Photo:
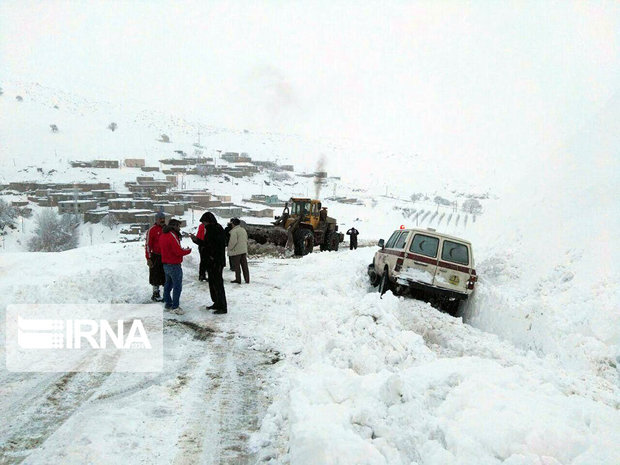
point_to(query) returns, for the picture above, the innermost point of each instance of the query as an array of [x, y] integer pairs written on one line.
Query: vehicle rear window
[[455, 252], [392, 239], [424, 245]]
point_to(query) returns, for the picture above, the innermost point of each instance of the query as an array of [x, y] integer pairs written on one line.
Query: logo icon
[[89, 337], [40, 334]]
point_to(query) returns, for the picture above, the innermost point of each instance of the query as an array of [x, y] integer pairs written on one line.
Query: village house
[[266, 164], [206, 169], [261, 213], [231, 157], [129, 215], [95, 216], [271, 200], [81, 164], [76, 206], [227, 212], [105, 164], [135, 162]]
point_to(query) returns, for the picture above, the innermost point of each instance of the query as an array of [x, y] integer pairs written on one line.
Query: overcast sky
[[484, 78]]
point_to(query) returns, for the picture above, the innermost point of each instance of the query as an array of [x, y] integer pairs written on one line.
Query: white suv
[[426, 263]]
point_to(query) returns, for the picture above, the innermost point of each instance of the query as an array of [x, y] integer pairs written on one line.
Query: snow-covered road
[[308, 367]]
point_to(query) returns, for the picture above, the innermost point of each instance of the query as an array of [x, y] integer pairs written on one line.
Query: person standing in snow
[[215, 245], [238, 251], [202, 268], [153, 256], [172, 256], [353, 238], [227, 229]]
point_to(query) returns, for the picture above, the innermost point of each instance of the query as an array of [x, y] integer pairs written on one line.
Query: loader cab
[[307, 208]]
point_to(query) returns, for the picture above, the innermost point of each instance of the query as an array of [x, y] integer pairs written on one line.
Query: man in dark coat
[[153, 256], [215, 250], [352, 233]]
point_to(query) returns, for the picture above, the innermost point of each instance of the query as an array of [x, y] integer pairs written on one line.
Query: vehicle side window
[[392, 239], [401, 241], [424, 245], [455, 252]]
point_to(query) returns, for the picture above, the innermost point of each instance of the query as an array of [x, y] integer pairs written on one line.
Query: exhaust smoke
[[319, 176]]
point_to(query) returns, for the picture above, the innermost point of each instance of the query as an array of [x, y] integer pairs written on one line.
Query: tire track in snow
[[33, 425], [225, 402]]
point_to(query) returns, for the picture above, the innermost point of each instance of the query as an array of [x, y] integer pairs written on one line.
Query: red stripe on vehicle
[[452, 266], [422, 258], [393, 252]]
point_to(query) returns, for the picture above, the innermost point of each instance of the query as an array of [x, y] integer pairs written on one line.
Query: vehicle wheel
[[304, 242], [374, 277], [333, 241], [451, 307], [384, 283]]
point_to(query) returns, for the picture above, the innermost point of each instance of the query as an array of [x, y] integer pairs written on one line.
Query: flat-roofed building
[[76, 206], [135, 162]]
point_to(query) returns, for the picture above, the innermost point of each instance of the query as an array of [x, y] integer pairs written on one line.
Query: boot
[[156, 297]]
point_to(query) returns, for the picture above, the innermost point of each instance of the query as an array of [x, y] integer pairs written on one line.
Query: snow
[[356, 378], [414, 274], [311, 365]]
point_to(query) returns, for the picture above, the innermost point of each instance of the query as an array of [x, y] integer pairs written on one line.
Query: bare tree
[[109, 220], [472, 206], [54, 128], [54, 232], [8, 216], [112, 126]]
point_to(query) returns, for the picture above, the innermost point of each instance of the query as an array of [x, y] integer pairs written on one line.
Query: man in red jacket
[[153, 256], [172, 256], [202, 268]]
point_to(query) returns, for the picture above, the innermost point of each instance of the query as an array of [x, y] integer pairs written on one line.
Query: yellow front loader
[[305, 223]]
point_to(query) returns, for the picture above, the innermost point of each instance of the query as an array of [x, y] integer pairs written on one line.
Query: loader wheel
[[304, 242], [333, 241], [384, 283]]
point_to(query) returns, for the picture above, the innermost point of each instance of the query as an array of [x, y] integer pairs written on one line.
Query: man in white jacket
[[238, 251]]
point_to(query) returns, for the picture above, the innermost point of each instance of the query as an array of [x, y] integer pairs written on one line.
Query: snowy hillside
[[311, 366]]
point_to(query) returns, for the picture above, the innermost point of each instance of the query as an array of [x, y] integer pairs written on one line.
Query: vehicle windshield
[[299, 206]]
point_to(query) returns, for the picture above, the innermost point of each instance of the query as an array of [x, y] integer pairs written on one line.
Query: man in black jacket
[[215, 251], [353, 238]]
